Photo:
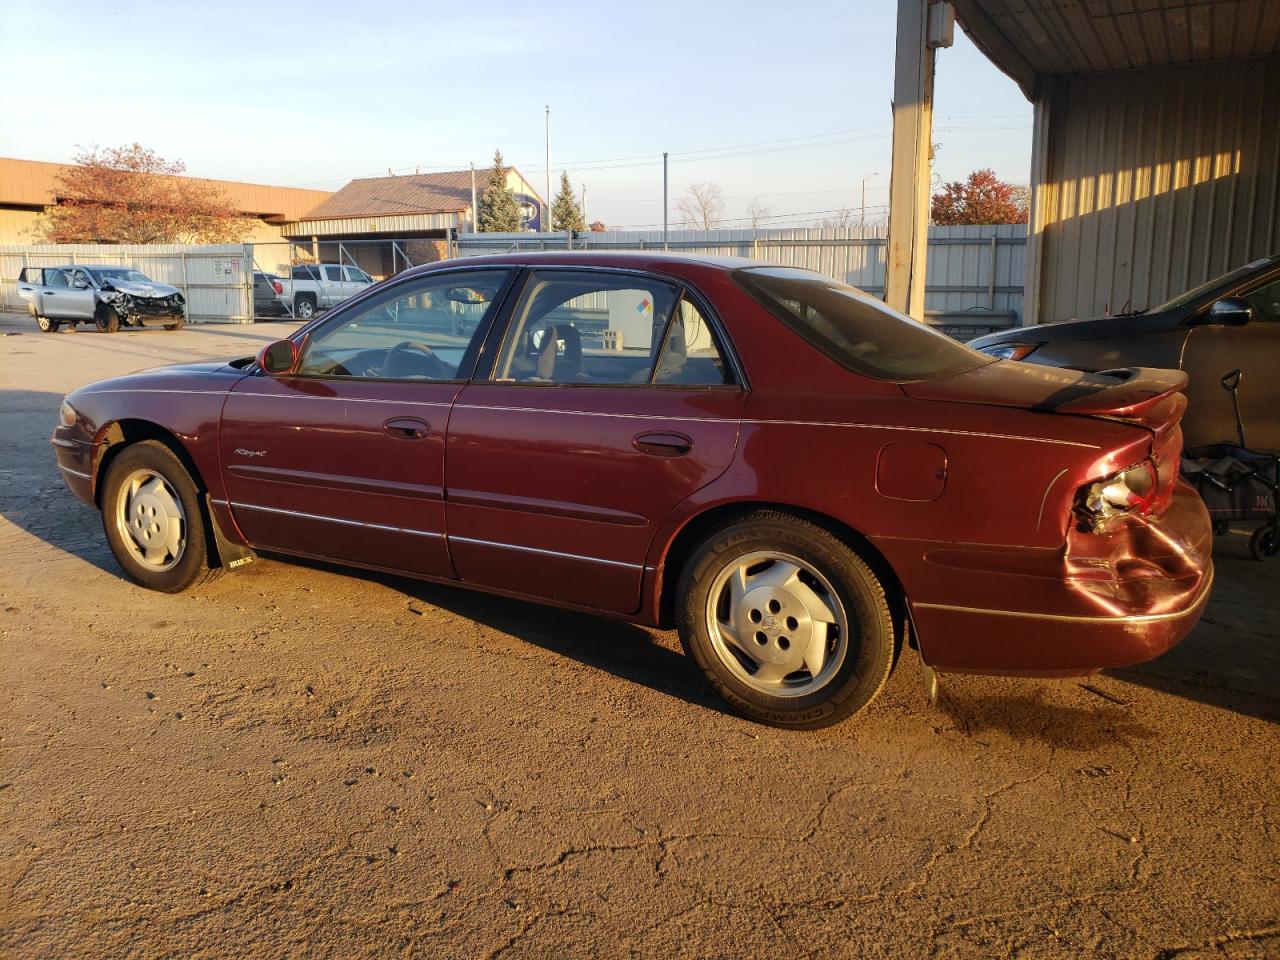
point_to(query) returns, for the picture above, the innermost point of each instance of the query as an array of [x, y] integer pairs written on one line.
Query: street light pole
[[475, 210], [664, 200], [862, 216], [547, 202]]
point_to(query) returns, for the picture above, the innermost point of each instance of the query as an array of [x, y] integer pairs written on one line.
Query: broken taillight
[[1135, 489], [275, 285]]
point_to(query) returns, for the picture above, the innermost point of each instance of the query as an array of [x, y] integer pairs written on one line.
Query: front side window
[[357, 275], [1265, 301], [425, 329], [592, 327], [56, 278], [80, 279], [854, 329]]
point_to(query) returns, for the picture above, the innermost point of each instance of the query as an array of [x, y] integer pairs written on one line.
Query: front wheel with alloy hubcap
[[152, 517], [788, 624]]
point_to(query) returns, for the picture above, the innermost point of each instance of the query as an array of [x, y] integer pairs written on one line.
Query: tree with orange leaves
[[131, 194], [983, 198]]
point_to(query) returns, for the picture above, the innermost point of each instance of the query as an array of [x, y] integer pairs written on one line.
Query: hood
[[1130, 393], [1124, 324], [150, 289]]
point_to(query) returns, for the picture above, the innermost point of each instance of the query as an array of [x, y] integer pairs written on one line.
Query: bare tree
[[841, 218], [758, 212], [702, 206]]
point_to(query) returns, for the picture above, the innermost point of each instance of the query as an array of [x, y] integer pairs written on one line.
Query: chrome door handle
[[407, 428], [663, 444]]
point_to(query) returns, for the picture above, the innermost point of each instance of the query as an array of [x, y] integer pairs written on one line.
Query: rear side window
[[305, 273], [854, 329], [31, 275], [333, 273]]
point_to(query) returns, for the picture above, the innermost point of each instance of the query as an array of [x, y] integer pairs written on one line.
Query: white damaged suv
[[107, 296]]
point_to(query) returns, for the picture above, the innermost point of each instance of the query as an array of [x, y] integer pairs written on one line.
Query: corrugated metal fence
[[974, 281], [216, 280]]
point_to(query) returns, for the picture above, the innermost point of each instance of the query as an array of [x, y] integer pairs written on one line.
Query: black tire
[[176, 323], [46, 325], [192, 563], [870, 650], [304, 306], [107, 319], [1264, 543]]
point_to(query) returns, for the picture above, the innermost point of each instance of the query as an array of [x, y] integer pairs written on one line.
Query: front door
[[65, 301], [344, 459], [1213, 350], [608, 403]]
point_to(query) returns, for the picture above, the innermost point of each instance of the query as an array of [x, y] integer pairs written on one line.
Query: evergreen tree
[[565, 212], [499, 212]]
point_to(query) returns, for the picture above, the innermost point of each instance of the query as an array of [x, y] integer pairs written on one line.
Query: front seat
[[553, 366]]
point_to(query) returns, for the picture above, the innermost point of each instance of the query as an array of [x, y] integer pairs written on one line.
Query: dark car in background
[[1230, 323], [267, 288]]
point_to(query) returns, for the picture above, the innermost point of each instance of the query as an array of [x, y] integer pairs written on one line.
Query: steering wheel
[[411, 358]]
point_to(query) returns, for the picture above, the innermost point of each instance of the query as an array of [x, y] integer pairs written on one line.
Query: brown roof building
[[415, 205], [28, 186]]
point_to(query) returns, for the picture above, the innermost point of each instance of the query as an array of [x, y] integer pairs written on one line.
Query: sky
[[784, 104]]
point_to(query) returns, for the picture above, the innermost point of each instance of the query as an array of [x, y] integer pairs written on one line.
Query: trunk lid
[[1143, 396]]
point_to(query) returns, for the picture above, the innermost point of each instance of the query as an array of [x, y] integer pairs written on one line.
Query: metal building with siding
[[1156, 144]]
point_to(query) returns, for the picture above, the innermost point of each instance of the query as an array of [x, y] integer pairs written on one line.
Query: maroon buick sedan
[[797, 477]]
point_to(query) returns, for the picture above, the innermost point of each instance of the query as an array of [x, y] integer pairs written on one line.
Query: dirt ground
[[296, 761]]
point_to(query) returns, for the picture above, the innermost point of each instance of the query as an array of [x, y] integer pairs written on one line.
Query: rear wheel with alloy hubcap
[[46, 325], [152, 517], [788, 623]]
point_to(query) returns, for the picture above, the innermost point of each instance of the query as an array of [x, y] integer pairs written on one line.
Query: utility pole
[[475, 210], [664, 200], [547, 226], [584, 205], [862, 216]]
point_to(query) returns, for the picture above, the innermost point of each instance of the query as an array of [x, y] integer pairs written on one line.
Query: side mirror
[[279, 358], [1231, 312]]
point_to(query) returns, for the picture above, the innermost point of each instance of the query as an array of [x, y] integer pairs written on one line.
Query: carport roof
[[1030, 38], [448, 192]]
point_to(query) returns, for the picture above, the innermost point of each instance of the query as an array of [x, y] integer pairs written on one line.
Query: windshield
[[1226, 280], [856, 330], [119, 273]]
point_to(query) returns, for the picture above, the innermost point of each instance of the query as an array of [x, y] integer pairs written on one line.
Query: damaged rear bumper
[[1117, 597]]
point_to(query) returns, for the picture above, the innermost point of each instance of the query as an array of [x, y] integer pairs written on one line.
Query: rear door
[[30, 283], [333, 287], [344, 459], [610, 399]]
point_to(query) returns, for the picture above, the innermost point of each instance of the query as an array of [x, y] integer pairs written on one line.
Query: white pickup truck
[[318, 286]]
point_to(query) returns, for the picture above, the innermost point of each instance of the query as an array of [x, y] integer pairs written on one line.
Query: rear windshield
[[854, 329]]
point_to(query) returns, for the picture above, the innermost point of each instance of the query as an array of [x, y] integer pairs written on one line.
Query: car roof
[[630, 259]]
